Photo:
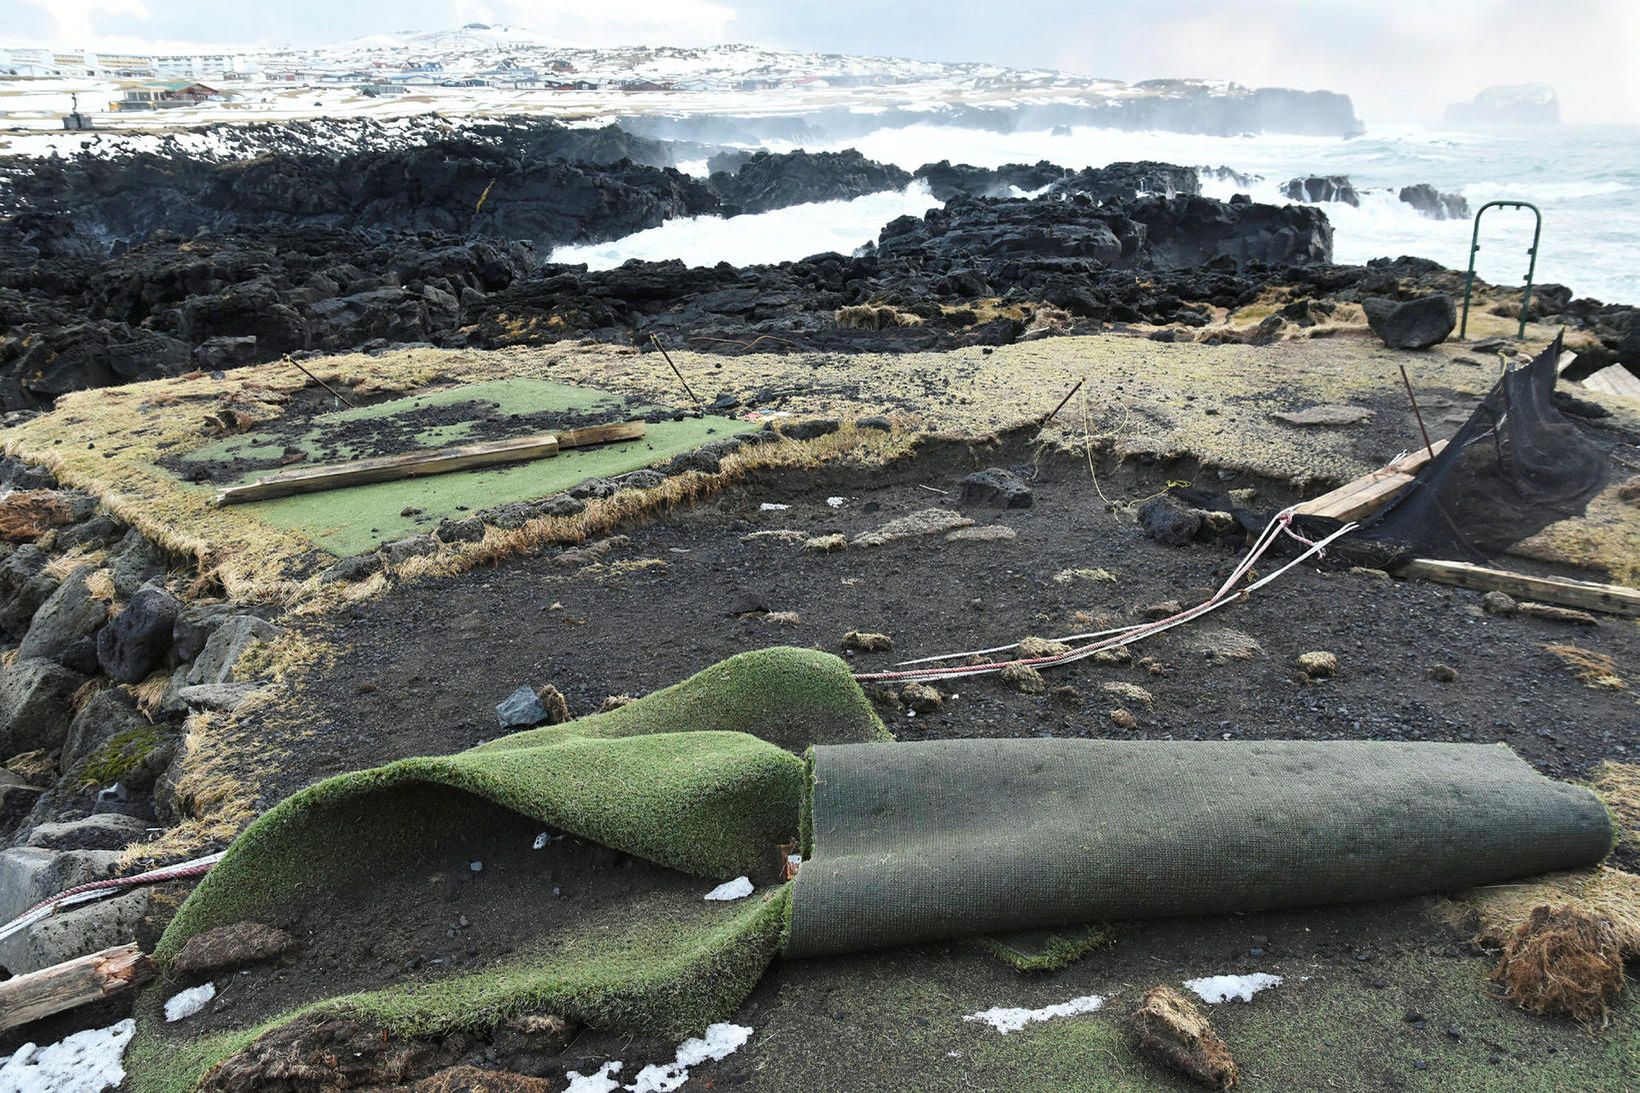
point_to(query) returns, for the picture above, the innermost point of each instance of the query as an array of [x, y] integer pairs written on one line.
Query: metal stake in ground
[[1054, 413], [1415, 411], [700, 408], [340, 397]]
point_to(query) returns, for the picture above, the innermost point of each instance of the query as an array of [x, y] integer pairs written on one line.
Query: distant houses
[[165, 95]]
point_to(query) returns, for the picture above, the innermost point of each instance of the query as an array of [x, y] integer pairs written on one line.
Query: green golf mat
[[910, 841], [938, 839]]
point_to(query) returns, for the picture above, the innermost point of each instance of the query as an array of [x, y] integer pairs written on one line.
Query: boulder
[[229, 642], [36, 704], [108, 831], [135, 562], [215, 696], [139, 638], [17, 800], [194, 626], [108, 716], [1411, 324], [29, 874], [1318, 188], [1169, 521], [1432, 203], [997, 488], [65, 627], [76, 932]]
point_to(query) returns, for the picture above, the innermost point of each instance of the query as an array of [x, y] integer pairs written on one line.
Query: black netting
[[1515, 467]]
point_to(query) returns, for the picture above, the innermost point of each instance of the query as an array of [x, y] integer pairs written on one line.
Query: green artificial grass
[[667, 969], [359, 518], [696, 777]]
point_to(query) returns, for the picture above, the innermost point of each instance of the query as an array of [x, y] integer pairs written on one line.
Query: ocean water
[[1584, 178]]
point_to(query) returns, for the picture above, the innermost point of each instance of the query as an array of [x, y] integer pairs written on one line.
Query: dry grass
[[874, 317], [1619, 787], [1596, 670], [215, 804], [1173, 1031], [1563, 962], [150, 693], [1563, 937]]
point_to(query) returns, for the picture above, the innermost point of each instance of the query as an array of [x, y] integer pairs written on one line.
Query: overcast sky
[[1398, 59]]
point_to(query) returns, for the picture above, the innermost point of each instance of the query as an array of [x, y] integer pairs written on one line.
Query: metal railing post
[[1531, 266]]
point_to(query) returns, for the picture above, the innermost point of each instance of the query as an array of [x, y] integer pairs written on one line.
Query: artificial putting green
[[359, 518]]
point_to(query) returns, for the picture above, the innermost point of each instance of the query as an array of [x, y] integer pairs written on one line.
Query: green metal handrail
[[1531, 267]]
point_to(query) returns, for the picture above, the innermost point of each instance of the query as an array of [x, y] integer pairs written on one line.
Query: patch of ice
[[739, 888], [601, 1082], [189, 1002], [770, 506], [540, 841], [1006, 1019], [836, 502], [718, 1042], [82, 1063], [1222, 988]]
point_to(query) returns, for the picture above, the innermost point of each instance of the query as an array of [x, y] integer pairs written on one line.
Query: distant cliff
[[1508, 103]]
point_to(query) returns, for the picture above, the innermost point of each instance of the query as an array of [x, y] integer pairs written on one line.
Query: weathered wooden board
[[1613, 599], [461, 457]]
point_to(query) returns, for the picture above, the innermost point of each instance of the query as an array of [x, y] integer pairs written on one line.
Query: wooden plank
[[1613, 599], [428, 461], [1567, 359], [73, 983], [601, 434], [1614, 379], [1369, 493]]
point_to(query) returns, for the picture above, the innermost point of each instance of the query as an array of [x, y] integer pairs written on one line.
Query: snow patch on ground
[[82, 1063], [718, 1042], [600, 1082], [739, 888], [189, 1002], [1006, 1019], [1222, 988]]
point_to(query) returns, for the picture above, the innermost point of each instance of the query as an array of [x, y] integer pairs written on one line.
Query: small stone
[[1169, 521], [1070, 696], [997, 488], [1498, 603], [866, 642], [1318, 665], [1166, 609], [1443, 673], [1123, 719]]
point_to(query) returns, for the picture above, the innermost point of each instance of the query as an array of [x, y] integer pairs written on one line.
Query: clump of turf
[[1023, 678], [1046, 950], [1032, 647], [1173, 1031], [1563, 962]]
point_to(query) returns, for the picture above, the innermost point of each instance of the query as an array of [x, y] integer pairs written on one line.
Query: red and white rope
[[1280, 525], [97, 889]]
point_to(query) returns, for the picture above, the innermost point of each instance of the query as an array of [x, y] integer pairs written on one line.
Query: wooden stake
[[70, 984], [1062, 402], [1415, 411], [700, 407], [341, 397]]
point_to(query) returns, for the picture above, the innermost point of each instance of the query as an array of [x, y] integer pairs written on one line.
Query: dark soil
[[428, 659], [423, 667], [435, 912]]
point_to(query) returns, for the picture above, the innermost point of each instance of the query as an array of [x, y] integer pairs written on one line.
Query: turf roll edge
[[941, 839]]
